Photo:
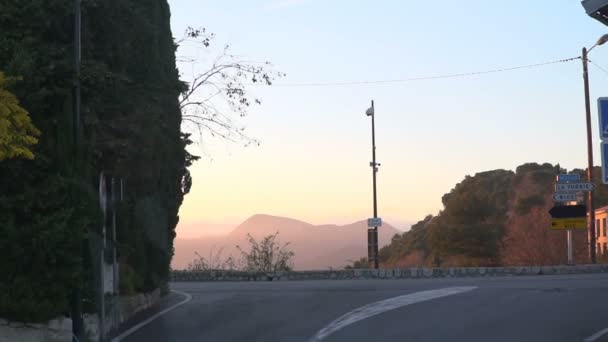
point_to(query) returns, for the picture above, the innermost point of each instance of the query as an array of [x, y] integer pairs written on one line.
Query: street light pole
[[372, 233], [77, 62], [590, 207], [76, 295]]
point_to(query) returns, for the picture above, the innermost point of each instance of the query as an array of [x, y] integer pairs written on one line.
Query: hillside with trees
[[493, 218]]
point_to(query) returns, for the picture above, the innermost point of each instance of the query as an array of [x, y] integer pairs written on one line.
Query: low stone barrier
[[393, 273], [60, 329]]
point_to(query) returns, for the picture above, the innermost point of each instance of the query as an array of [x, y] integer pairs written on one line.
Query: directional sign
[[604, 161], [585, 186], [569, 223], [565, 197], [568, 211], [374, 222], [602, 109], [568, 178]]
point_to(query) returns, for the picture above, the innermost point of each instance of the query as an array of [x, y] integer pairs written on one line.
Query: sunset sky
[[313, 162]]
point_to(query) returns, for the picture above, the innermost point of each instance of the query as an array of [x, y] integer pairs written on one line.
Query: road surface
[[531, 308]]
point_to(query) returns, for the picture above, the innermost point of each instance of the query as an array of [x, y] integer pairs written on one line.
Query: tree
[[42, 233], [131, 122], [470, 228], [268, 255], [17, 132], [215, 96], [528, 239], [213, 261], [404, 246]]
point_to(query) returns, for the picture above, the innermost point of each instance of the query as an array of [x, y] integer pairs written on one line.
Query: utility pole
[[102, 264], [372, 233], [590, 206], [77, 62], [114, 251], [76, 297]]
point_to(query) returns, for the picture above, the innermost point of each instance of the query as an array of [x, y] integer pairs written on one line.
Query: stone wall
[[118, 311], [400, 273], [57, 330]]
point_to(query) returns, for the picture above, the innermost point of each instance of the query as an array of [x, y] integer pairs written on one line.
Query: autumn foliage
[[17, 133], [494, 218]]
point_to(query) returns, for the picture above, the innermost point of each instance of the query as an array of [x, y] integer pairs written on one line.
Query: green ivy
[[130, 129]]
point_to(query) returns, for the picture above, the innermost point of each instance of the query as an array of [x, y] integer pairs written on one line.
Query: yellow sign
[[569, 223]]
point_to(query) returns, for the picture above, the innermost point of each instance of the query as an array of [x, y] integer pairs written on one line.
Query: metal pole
[[76, 298], [590, 207], [102, 306], [102, 263], [570, 257], [114, 268], [114, 258], [77, 62], [374, 171]]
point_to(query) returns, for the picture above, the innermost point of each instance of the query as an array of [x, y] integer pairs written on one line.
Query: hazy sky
[[313, 163]]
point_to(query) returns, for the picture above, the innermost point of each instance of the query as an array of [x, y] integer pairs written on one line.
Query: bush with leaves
[[267, 255], [214, 261], [43, 229], [17, 132]]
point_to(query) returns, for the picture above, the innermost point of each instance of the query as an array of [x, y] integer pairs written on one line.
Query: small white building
[[601, 216]]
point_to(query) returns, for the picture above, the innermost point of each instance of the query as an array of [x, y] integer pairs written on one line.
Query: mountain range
[[315, 246]]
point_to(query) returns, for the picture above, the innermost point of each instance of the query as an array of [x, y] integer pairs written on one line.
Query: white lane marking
[[596, 335], [140, 325], [377, 308]]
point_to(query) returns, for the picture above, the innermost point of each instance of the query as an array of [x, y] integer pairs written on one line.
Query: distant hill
[[315, 247]]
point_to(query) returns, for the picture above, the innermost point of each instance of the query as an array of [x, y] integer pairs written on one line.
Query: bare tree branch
[[219, 93]]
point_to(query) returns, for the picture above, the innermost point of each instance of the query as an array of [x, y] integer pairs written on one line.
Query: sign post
[[565, 197], [604, 150], [374, 222], [568, 188], [581, 186], [568, 178], [602, 111], [570, 257]]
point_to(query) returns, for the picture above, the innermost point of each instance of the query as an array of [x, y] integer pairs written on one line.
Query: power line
[[424, 78], [598, 66]]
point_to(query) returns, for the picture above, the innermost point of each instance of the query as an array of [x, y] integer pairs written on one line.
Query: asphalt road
[[535, 308]]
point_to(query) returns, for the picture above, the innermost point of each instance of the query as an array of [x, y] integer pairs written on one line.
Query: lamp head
[[603, 39]]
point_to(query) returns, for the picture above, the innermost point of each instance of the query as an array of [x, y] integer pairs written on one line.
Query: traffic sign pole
[[570, 257], [569, 216]]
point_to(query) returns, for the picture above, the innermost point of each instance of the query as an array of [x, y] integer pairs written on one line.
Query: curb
[[396, 273]]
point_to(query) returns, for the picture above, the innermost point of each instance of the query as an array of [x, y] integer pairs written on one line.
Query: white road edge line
[[155, 316], [377, 308], [596, 335]]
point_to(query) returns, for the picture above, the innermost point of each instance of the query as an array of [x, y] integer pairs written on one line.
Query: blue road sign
[[602, 109], [604, 160], [571, 178]]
